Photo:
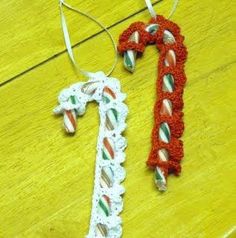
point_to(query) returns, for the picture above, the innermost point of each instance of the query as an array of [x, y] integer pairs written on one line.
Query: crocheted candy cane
[[167, 148], [107, 201]]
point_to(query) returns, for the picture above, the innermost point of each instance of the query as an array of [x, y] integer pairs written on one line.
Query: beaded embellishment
[[167, 148], [107, 201]]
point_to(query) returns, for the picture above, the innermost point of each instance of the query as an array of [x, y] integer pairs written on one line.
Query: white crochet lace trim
[[101, 224]]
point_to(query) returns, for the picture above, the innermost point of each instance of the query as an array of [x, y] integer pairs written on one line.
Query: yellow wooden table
[[46, 177]]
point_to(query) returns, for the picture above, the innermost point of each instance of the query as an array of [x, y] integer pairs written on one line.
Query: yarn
[[167, 147]]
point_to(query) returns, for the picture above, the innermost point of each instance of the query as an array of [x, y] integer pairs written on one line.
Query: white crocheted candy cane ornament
[[107, 202]]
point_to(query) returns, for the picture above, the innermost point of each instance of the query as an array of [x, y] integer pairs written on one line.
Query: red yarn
[[175, 121]]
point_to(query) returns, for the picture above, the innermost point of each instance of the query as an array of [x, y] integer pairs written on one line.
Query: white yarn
[[113, 221]]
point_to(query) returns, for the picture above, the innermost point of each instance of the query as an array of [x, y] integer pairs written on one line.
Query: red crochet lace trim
[[175, 121]]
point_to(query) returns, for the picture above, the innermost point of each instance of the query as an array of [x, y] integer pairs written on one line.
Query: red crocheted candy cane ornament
[[167, 148]]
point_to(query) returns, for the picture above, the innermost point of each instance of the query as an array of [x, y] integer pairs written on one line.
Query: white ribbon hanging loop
[[153, 13], [150, 8], [67, 40]]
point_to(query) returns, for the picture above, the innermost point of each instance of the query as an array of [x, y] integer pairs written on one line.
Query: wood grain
[[31, 34], [47, 177]]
